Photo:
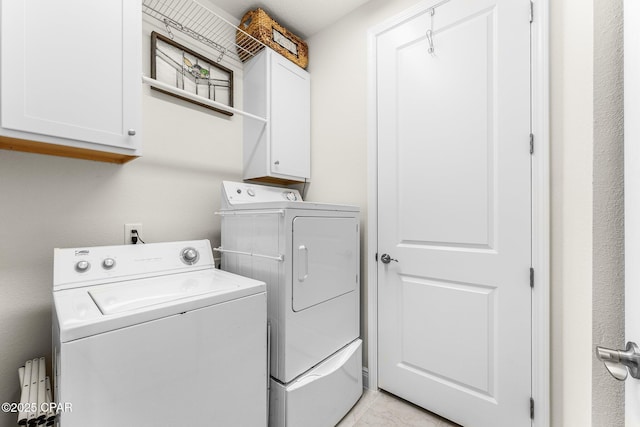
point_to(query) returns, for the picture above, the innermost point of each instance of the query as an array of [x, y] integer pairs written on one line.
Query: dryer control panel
[[242, 192]]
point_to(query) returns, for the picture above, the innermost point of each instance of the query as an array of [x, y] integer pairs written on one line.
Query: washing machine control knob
[[190, 256], [82, 266], [108, 263]]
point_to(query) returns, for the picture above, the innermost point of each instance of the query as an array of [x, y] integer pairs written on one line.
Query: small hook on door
[[431, 49], [430, 41]]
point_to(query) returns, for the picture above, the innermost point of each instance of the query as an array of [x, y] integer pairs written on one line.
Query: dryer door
[[325, 259]]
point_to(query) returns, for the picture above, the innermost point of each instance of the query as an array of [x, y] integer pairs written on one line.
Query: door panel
[[457, 80], [324, 265], [424, 303], [454, 210]]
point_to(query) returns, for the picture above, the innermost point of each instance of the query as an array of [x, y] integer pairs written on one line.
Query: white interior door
[[454, 180]]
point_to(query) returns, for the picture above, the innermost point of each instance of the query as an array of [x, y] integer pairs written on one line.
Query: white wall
[[47, 202], [608, 208]]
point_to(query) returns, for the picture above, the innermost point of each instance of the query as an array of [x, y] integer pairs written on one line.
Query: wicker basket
[[258, 24]]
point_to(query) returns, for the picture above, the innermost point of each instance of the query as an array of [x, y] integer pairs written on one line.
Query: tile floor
[[378, 408]]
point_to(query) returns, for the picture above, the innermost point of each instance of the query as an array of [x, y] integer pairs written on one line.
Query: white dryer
[[154, 335], [308, 255]]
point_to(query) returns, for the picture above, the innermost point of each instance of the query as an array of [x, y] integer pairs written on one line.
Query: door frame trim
[[540, 207]]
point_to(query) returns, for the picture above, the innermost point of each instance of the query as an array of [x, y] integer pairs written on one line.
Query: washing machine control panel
[[242, 192], [103, 264]]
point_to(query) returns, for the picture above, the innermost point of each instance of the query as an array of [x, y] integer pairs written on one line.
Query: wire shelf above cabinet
[[200, 23], [197, 98]]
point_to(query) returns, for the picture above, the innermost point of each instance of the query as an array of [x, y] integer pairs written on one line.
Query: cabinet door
[[325, 259], [290, 119], [71, 69]]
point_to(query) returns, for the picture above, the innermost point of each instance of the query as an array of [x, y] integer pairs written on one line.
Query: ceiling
[[302, 17]]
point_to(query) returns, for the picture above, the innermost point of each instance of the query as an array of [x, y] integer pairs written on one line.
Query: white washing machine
[[308, 254], [154, 335]]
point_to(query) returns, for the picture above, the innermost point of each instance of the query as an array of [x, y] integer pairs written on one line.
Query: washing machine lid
[[83, 312], [248, 196], [141, 294]]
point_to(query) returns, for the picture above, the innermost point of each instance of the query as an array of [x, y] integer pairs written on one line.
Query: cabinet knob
[[132, 132], [277, 162]]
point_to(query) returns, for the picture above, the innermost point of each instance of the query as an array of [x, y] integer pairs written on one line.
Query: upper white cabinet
[[70, 78], [280, 150]]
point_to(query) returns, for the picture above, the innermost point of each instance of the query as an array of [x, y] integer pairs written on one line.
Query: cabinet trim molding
[[15, 144]]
